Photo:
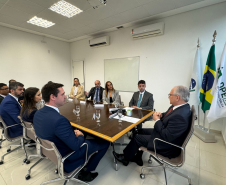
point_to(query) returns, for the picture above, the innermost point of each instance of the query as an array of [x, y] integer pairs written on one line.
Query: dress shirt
[[75, 91], [2, 95], [97, 95], [53, 107], [141, 98], [15, 98], [175, 107]]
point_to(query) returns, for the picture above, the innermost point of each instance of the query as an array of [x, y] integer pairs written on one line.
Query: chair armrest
[[166, 143], [64, 158], [12, 125]]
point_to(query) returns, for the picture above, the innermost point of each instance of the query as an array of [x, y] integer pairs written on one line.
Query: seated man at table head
[[77, 90], [10, 109], [171, 126], [49, 124], [96, 92], [4, 90], [32, 96], [142, 99], [110, 95]]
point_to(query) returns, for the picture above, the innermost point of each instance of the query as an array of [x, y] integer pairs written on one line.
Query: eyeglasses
[[171, 95], [4, 89]]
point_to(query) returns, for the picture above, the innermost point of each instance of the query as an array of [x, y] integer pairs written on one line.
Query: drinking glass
[[78, 110], [120, 115], [116, 105], [94, 102], [98, 116]]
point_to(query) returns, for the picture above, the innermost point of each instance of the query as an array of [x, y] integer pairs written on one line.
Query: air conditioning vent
[[148, 31], [102, 41]]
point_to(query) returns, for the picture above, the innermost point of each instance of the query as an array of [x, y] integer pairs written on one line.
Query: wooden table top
[[109, 129]]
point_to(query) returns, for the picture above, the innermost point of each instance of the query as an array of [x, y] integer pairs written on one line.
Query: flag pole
[[199, 103]]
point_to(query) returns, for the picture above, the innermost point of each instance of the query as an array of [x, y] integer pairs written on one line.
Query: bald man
[[96, 92]]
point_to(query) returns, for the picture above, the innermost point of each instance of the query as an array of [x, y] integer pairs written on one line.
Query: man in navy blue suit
[[52, 126], [171, 126], [10, 109]]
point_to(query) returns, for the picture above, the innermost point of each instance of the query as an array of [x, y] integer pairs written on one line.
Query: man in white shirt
[[4, 90], [10, 109]]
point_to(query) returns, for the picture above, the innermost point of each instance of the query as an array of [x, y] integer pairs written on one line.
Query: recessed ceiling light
[[66, 9], [40, 22]]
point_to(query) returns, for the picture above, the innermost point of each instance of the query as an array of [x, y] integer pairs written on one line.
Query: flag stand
[[200, 131]]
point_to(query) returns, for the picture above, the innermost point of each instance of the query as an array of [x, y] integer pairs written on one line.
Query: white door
[[78, 72]]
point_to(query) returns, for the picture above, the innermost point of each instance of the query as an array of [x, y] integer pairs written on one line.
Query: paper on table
[[99, 105], [112, 109], [128, 108], [128, 119], [69, 99], [83, 102]]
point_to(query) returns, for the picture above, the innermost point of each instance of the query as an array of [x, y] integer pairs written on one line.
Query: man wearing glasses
[[171, 126], [4, 90]]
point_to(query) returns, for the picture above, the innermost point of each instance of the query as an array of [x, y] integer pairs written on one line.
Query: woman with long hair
[[77, 90], [110, 95], [32, 95]]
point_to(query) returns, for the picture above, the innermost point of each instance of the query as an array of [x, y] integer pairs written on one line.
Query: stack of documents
[[128, 119]]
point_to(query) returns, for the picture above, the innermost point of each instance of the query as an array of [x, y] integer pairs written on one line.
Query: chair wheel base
[[142, 176], [149, 161], [27, 177], [56, 171], [1, 162], [27, 162], [8, 150]]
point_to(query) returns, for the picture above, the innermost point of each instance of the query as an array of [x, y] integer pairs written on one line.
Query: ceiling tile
[[17, 14], [3, 1], [44, 3], [59, 28], [32, 27], [102, 12], [73, 34], [181, 3], [85, 18], [82, 4], [52, 16], [115, 20], [72, 23], [159, 6], [25, 6], [10, 20], [99, 25], [1, 5]]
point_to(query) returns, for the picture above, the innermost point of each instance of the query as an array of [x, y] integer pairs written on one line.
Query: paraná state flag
[[218, 106], [208, 80]]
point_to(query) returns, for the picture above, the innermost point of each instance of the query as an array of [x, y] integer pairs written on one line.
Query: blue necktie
[[97, 95], [139, 101]]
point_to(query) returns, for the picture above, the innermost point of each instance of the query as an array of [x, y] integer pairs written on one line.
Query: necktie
[[139, 101], [97, 95], [169, 111]]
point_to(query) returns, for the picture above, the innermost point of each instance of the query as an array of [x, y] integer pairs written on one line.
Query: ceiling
[[91, 22]]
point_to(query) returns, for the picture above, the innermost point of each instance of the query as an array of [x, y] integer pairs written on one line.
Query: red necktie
[[169, 111]]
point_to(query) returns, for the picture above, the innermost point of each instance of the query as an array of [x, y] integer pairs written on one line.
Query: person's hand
[[135, 107], [86, 93], [156, 116], [78, 133], [159, 114]]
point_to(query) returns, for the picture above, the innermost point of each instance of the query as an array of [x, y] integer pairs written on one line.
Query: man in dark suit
[[52, 126], [171, 126], [4, 90], [96, 92], [10, 109], [142, 99]]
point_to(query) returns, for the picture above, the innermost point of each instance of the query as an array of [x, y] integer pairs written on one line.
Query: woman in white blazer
[[77, 90], [110, 95]]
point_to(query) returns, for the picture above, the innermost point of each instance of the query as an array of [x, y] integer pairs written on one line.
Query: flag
[[196, 78], [218, 106], [208, 79]]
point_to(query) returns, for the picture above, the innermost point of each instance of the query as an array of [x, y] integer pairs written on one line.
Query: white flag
[[196, 80], [218, 106]]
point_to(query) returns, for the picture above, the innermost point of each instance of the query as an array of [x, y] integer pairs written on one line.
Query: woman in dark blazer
[[32, 95], [110, 95]]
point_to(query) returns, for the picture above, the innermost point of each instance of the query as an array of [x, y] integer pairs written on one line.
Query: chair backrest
[[6, 133]]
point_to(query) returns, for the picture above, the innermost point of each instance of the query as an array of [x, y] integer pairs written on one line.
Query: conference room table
[[107, 129]]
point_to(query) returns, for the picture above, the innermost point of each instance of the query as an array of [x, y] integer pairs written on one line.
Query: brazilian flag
[[208, 79]]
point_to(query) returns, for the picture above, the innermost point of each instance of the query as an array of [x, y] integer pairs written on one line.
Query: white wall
[[25, 58], [165, 61]]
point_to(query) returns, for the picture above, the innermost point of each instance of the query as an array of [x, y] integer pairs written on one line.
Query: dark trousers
[[140, 139]]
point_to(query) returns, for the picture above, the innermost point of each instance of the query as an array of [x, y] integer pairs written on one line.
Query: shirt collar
[[14, 97], [53, 107], [142, 92], [175, 107], [2, 95]]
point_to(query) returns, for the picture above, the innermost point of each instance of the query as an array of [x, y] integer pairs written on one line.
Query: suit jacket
[[147, 101], [172, 128], [29, 117], [9, 111], [92, 93], [1, 98], [115, 97], [52, 126], [80, 93]]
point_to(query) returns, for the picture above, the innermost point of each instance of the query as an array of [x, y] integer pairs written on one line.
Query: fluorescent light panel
[[66, 9], [40, 22]]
